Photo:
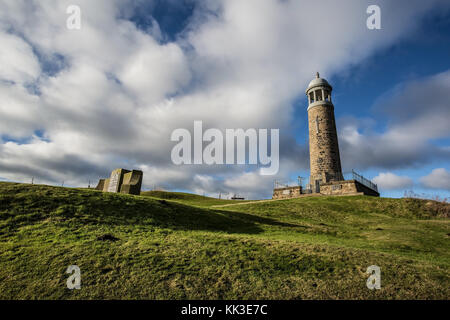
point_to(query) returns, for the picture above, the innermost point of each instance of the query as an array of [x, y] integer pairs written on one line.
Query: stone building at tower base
[[346, 187], [334, 188]]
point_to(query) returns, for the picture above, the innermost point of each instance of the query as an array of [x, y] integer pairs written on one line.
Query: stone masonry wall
[[346, 187], [339, 188], [325, 161], [288, 192]]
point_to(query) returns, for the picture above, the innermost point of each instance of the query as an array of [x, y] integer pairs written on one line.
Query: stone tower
[[324, 156]]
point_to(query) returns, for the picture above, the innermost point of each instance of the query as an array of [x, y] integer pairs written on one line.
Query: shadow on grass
[[176, 216], [260, 220], [26, 204]]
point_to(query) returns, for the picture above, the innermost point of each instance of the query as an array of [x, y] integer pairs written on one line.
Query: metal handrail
[[364, 181]]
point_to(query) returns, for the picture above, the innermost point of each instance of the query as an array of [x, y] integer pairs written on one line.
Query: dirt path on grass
[[241, 203], [269, 200]]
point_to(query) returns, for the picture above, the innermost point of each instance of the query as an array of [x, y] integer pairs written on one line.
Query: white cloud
[[391, 181], [437, 179], [17, 60], [19, 111], [154, 71], [250, 185]]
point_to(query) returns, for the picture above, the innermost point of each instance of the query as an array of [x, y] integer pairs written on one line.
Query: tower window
[[311, 97], [327, 95], [319, 95]]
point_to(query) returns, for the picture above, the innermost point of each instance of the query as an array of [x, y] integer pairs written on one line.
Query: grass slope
[[177, 246]]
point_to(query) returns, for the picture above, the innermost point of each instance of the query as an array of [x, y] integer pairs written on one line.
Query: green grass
[[182, 246]]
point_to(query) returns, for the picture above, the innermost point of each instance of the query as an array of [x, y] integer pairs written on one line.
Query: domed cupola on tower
[[318, 91]]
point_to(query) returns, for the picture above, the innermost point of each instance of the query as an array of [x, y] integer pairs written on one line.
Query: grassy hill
[[164, 245]]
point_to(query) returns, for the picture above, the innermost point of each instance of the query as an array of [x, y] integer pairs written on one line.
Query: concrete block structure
[[123, 181], [132, 182], [326, 176]]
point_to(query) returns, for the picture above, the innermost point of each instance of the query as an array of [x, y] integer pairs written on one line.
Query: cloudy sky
[[75, 104]]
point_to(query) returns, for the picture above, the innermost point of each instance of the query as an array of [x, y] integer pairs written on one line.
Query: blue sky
[[77, 104]]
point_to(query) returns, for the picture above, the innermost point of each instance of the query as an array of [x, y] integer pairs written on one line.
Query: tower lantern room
[[319, 91]]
